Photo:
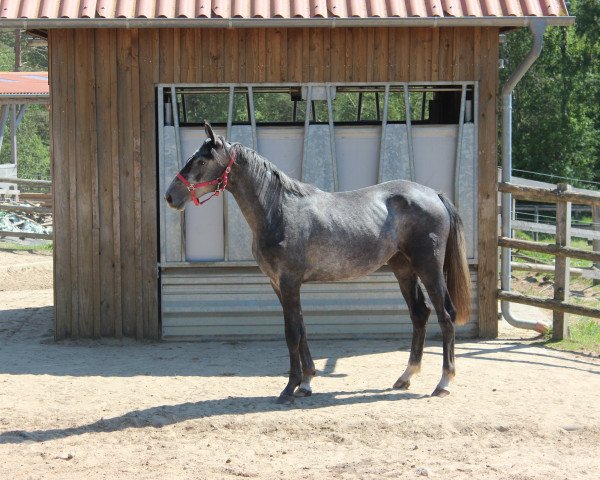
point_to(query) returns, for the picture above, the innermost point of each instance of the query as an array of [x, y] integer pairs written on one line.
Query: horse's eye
[[202, 163]]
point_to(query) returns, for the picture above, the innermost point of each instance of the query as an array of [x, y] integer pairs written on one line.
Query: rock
[[422, 472], [64, 456]]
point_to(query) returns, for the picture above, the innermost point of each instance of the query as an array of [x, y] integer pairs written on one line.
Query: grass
[[584, 337], [13, 247], [548, 259]]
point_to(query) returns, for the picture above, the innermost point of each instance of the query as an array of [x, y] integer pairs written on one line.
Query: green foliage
[[278, 106], [33, 58], [556, 105], [33, 145]]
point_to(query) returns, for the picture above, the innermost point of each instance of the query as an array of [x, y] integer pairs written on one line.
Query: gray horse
[[302, 234]]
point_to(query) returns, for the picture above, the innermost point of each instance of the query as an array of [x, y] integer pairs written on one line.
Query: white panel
[[283, 147], [435, 149], [357, 150], [204, 232]]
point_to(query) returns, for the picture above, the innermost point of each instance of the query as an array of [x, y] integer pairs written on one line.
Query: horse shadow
[[165, 415]]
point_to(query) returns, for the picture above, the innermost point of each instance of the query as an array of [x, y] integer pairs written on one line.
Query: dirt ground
[[120, 409]]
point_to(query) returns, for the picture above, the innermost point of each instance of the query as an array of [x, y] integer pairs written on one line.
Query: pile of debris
[[19, 217]]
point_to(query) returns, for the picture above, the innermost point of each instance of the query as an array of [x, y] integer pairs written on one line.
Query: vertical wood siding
[[104, 141]]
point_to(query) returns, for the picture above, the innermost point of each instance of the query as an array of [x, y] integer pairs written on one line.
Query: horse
[[303, 234]]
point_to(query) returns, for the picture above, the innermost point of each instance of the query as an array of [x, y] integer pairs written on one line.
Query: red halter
[[221, 183]]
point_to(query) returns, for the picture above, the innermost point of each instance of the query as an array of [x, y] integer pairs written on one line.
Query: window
[[286, 105]]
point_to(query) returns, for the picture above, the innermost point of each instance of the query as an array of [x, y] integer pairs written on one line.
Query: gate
[[210, 284]]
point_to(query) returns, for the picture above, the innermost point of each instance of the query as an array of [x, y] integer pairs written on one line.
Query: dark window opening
[[350, 105]]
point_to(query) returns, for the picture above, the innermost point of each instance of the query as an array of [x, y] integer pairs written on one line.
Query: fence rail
[[26, 182], [563, 197], [42, 210], [551, 229], [539, 194], [591, 273]]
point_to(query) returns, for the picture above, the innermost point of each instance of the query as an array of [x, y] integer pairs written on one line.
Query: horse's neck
[[256, 189]]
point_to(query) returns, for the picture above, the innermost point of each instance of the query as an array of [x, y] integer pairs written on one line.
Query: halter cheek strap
[[220, 182]]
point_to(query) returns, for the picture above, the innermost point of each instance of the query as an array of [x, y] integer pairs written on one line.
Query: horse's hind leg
[[435, 285], [419, 314]]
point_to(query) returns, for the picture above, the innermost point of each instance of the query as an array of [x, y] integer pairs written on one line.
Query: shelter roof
[[235, 13], [26, 84]]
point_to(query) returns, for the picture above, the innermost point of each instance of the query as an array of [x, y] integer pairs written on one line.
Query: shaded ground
[[115, 409]]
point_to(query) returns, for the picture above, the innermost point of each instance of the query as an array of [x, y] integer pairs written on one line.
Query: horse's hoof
[[302, 392], [402, 384], [285, 399], [440, 392]]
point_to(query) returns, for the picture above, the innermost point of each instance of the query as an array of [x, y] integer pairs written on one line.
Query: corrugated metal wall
[[238, 302]]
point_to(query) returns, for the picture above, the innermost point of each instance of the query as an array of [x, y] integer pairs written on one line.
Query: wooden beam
[[539, 194], [8, 207], [58, 71], [104, 59], [45, 236], [552, 249], [538, 267], [596, 243], [487, 251], [562, 264], [21, 100], [548, 303], [13, 133], [29, 183]]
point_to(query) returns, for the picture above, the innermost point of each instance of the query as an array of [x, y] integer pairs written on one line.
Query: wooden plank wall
[[104, 141]]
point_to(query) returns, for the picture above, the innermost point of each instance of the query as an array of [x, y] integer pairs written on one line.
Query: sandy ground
[[111, 409]]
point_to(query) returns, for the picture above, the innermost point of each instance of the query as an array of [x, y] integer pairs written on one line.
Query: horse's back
[[404, 198], [349, 234]]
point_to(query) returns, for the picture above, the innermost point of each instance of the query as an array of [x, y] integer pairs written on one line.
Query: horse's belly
[[339, 264]]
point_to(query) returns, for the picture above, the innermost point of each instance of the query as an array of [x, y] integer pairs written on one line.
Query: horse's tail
[[456, 267]]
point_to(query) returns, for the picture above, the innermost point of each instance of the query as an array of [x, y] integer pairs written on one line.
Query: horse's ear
[[209, 131]]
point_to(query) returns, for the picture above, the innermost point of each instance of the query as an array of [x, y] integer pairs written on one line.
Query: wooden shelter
[[115, 66]]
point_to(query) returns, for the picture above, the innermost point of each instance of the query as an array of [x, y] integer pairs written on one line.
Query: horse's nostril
[[169, 199]]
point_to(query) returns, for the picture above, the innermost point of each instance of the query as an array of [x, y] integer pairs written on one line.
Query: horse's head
[[203, 173]]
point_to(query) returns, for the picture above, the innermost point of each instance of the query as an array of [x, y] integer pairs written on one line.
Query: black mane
[[261, 168]]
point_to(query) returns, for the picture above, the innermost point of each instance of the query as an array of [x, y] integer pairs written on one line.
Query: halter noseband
[[220, 182]]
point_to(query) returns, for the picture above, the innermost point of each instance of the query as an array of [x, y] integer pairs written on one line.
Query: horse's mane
[[266, 172]]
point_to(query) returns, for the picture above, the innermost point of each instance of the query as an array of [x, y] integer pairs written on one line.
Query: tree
[[556, 105]]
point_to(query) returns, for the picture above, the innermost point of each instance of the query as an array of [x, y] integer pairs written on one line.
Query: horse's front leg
[[295, 336]]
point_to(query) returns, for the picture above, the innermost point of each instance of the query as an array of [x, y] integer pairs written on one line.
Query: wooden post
[[562, 264], [13, 133], [536, 219], [596, 243]]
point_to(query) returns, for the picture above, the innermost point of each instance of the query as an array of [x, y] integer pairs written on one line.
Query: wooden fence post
[[562, 263], [596, 243]]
